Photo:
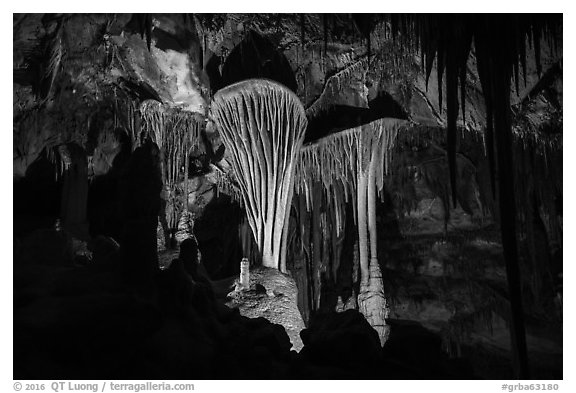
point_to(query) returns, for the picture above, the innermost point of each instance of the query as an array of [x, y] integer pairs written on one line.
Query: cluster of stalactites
[[538, 184], [438, 37], [229, 186], [126, 116], [175, 132], [39, 130], [448, 39], [543, 144], [336, 160]]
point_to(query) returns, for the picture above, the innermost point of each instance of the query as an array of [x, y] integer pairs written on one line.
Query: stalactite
[[186, 189], [227, 185], [31, 135], [484, 70], [262, 125], [536, 32], [317, 238], [335, 240], [145, 28], [368, 48], [325, 30], [452, 114], [57, 54], [440, 58], [302, 31], [463, 55], [500, 89]]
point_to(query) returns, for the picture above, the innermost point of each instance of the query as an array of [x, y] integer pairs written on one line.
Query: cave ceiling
[[74, 66]]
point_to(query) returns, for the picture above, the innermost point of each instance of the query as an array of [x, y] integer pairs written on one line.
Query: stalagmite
[[245, 273], [262, 125]]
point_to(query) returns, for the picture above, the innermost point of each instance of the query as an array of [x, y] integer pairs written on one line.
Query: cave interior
[[287, 196]]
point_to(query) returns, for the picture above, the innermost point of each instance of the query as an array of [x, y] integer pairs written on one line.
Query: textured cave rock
[[171, 67], [100, 330], [272, 295], [336, 339], [256, 58]]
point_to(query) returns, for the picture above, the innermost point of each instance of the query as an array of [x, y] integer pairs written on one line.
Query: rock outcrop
[[272, 295]]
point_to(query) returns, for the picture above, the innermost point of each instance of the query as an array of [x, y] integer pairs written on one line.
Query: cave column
[[372, 206], [362, 228], [371, 299]]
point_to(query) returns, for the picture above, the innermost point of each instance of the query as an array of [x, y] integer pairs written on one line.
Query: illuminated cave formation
[[395, 182], [262, 124]]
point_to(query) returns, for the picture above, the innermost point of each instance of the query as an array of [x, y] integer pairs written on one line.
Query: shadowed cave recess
[[287, 196]]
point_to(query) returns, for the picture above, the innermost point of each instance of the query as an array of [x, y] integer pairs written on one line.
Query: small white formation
[[244, 274]]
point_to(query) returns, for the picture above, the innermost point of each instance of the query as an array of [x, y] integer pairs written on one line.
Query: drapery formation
[[262, 125], [174, 131], [350, 166]]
